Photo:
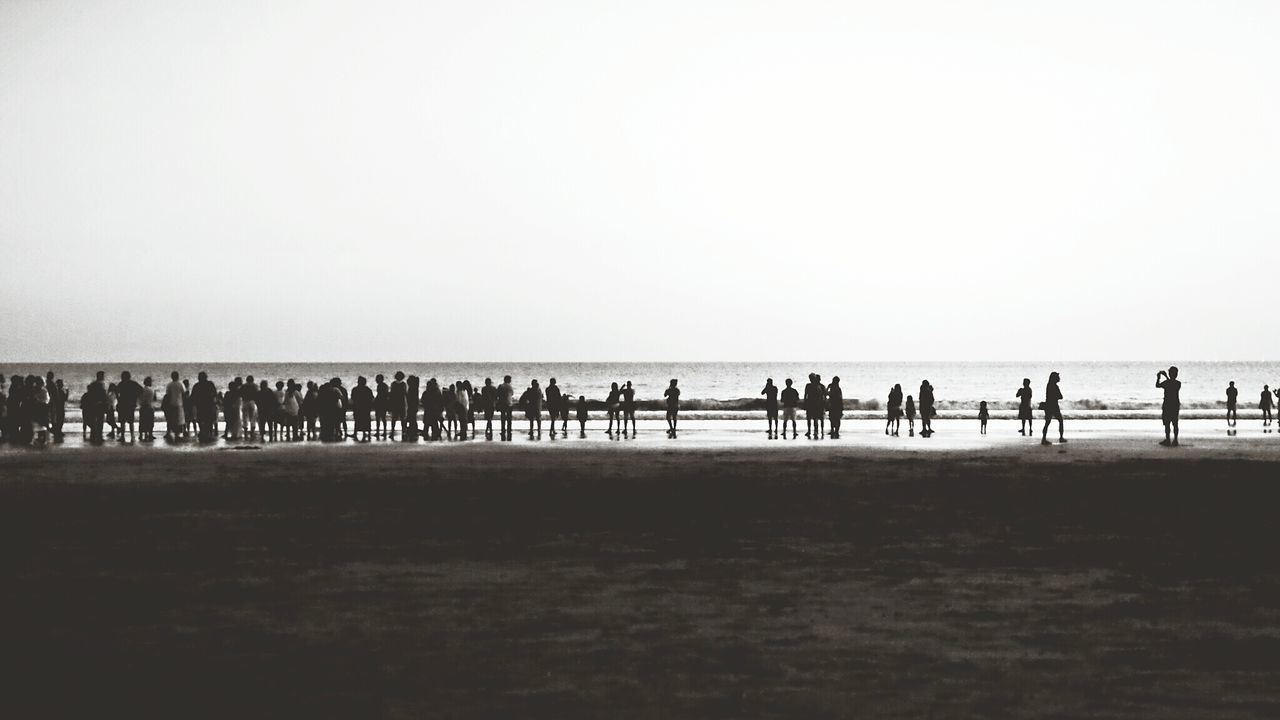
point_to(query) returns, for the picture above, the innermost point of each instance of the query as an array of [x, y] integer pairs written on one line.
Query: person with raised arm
[[672, 395], [629, 408], [613, 407], [770, 393], [1171, 405]]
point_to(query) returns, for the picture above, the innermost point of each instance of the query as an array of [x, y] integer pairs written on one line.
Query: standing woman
[[894, 420], [112, 397], [1265, 405], [1024, 408], [362, 401], [1052, 411], [926, 409], [293, 409], [311, 407], [380, 403], [613, 406], [835, 406]]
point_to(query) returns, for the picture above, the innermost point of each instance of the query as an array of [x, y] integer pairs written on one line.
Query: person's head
[[788, 382], [1054, 377], [124, 376], [835, 380], [103, 376], [506, 378], [58, 382], [172, 376], [279, 384], [1026, 382], [551, 382], [263, 385], [39, 383], [628, 384], [910, 399], [399, 375], [768, 382], [897, 386], [533, 384], [186, 382], [49, 376], [203, 376], [248, 379], [673, 382], [1231, 384], [360, 381], [983, 404], [582, 398], [147, 381], [488, 382], [378, 378], [1173, 371], [336, 382], [110, 388], [613, 386]]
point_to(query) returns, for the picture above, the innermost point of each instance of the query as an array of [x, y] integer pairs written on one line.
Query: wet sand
[[1106, 578]]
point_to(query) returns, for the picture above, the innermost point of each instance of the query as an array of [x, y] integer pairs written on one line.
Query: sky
[[599, 180]]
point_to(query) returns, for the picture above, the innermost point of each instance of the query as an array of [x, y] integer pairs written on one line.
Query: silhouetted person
[[1025, 418], [231, 410], [1232, 394], [249, 407], [770, 393], [506, 397], [266, 410], [553, 403], [397, 403], [983, 416], [463, 399], [790, 401], [565, 402], [911, 416], [362, 401], [814, 406], [204, 399], [893, 421], [1171, 406], [57, 405], [128, 392], [835, 406], [380, 403], [926, 409], [1264, 404], [174, 412], [488, 401], [413, 397], [147, 411], [628, 407], [1052, 409], [583, 416], [613, 407], [93, 405], [672, 395], [188, 410], [432, 408], [531, 401]]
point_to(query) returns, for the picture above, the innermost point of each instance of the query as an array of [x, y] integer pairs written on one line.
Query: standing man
[[173, 407], [770, 393], [1172, 405], [488, 399], [1232, 394], [790, 399], [128, 393], [629, 407], [204, 399], [506, 397], [672, 395]]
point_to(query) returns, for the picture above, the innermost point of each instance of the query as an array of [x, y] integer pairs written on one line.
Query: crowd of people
[[33, 408]]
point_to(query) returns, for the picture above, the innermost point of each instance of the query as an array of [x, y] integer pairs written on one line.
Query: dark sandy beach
[[646, 582]]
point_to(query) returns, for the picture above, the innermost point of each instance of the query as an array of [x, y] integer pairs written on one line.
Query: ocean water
[[732, 389]]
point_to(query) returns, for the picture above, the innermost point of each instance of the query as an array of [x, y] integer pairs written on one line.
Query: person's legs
[[1061, 437]]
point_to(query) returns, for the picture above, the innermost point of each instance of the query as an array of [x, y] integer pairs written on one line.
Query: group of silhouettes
[[33, 410]]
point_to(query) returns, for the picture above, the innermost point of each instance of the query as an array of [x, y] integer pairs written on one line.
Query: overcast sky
[[595, 180]]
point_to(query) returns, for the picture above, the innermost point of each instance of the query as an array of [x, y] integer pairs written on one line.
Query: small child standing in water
[[983, 416], [911, 416], [582, 414]]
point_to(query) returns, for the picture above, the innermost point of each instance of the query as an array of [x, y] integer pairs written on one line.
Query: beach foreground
[[1092, 580]]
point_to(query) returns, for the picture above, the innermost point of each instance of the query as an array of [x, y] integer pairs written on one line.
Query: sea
[[730, 390]]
